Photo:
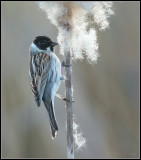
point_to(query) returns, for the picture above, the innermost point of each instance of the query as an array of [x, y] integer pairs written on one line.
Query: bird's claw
[[62, 78], [65, 65], [65, 99]]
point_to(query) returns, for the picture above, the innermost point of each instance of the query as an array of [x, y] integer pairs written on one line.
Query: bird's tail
[[53, 124]]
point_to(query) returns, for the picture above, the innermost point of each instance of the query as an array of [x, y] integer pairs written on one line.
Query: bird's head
[[42, 44]]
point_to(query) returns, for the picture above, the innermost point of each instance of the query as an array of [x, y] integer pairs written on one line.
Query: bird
[[45, 76]]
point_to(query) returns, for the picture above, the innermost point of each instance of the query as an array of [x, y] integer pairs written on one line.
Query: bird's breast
[[55, 69]]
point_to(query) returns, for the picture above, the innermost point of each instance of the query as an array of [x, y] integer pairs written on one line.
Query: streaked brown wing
[[39, 65]]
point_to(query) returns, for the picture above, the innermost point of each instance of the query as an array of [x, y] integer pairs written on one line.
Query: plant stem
[[70, 143]]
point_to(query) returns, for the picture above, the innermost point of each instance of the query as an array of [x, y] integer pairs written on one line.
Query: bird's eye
[[49, 43]]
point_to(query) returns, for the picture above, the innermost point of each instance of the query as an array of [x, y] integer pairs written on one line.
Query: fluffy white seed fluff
[[70, 19], [79, 140]]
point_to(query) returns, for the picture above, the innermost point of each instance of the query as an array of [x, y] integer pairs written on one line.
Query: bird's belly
[[54, 76]]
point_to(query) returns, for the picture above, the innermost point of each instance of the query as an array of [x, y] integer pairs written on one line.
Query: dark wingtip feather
[[54, 134], [38, 104]]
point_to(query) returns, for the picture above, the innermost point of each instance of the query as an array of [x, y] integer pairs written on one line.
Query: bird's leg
[[63, 78], [67, 100], [62, 70], [63, 98], [65, 65]]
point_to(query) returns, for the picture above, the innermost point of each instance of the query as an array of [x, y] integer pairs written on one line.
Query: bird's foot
[[62, 70], [63, 78], [65, 65], [63, 98]]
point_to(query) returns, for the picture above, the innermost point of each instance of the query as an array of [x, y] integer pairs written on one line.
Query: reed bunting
[[45, 75]]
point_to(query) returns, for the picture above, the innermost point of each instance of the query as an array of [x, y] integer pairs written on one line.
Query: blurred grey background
[[106, 94]]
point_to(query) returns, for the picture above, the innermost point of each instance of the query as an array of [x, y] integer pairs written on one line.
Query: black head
[[43, 42]]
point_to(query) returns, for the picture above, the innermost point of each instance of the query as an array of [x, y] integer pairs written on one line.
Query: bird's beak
[[54, 44]]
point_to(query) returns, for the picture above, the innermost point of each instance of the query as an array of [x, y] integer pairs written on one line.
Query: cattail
[[77, 39]]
